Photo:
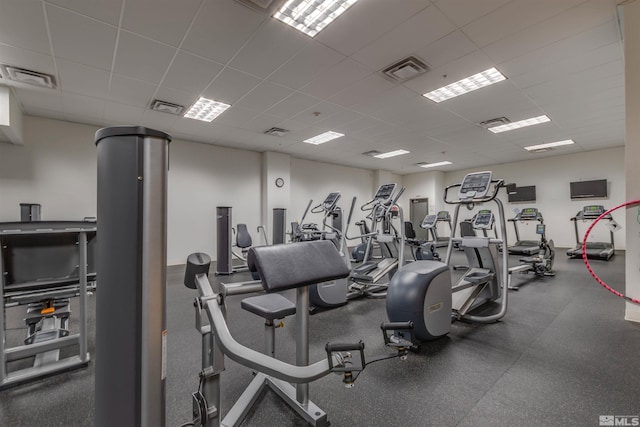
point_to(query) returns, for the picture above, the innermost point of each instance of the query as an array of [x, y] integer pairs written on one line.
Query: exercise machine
[[43, 265], [332, 293], [525, 247], [430, 223], [540, 264], [420, 249], [598, 250], [367, 278], [290, 382], [422, 293]]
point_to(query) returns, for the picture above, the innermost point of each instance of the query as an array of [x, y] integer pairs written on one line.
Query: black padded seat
[[269, 306]]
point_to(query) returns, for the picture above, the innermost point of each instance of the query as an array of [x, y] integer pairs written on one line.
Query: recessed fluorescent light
[[206, 110], [391, 154], [522, 123], [311, 16], [477, 81], [433, 165], [323, 137], [549, 145]]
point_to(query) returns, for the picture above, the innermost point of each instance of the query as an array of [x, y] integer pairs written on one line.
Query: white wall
[[551, 176]]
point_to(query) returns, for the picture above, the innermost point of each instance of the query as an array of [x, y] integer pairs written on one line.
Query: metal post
[[302, 340], [279, 226], [131, 264], [3, 365], [82, 271]]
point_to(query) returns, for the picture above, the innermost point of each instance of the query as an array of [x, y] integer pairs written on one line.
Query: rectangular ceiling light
[[522, 123], [323, 137], [206, 110], [311, 16], [469, 84], [433, 165], [391, 154], [549, 145]]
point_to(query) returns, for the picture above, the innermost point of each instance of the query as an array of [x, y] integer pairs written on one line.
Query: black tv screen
[[588, 189], [523, 194]]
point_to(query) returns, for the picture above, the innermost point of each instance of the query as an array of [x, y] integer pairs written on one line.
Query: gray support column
[[131, 266], [224, 263], [279, 226]]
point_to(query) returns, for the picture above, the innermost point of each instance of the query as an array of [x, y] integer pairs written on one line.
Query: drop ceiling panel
[[122, 114], [303, 67], [235, 116], [23, 58], [157, 120], [388, 101], [164, 21], [418, 31], [201, 72], [325, 110], [82, 106], [362, 92], [365, 21], [446, 49], [462, 12], [142, 58], [32, 98], [22, 24], [175, 97], [220, 29], [125, 90], [81, 39], [272, 44], [336, 78], [264, 96], [562, 26], [260, 123], [340, 120], [230, 86], [83, 80], [292, 105], [512, 18], [43, 112], [103, 10]]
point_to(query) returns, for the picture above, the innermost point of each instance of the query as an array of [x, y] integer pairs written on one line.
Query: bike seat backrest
[[243, 238], [291, 266], [409, 231]]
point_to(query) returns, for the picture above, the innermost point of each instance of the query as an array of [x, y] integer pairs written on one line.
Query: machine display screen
[[428, 221], [593, 210], [475, 185], [529, 213], [444, 216], [384, 192], [483, 219], [540, 228], [331, 199]]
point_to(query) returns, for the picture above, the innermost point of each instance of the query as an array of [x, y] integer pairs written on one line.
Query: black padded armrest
[[294, 265]]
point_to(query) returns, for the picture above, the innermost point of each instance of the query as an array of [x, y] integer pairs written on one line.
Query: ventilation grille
[[494, 122], [405, 69], [265, 6], [276, 132], [371, 153], [421, 163], [28, 76], [167, 107]]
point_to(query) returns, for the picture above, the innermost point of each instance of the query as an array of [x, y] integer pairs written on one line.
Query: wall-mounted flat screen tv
[[588, 189], [523, 194]]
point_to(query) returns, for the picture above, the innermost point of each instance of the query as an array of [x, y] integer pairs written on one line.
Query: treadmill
[[596, 250], [525, 247], [430, 223]]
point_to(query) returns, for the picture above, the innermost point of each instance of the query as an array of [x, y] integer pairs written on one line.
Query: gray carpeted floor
[[562, 356]]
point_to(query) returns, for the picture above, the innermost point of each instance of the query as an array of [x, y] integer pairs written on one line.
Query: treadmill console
[[429, 221], [385, 193], [540, 229], [444, 216], [475, 185], [331, 200], [483, 220], [592, 211], [528, 214]]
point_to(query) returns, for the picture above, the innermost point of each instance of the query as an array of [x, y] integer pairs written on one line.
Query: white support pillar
[[276, 170]]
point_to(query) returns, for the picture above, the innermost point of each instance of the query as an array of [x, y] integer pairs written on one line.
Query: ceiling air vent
[[167, 107], [371, 153], [421, 163], [406, 69], [28, 76], [494, 122], [276, 131]]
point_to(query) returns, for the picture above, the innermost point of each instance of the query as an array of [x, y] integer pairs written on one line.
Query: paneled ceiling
[[112, 58]]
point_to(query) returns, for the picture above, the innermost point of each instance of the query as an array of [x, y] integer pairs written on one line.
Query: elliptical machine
[[421, 292]]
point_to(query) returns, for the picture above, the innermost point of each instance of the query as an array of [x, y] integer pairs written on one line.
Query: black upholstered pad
[[294, 265], [269, 306]]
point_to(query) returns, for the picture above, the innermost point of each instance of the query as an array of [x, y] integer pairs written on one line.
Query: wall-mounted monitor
[[523, 194], [588, 189]]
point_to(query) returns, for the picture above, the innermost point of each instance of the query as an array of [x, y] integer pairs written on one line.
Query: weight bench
[[281, 267]]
